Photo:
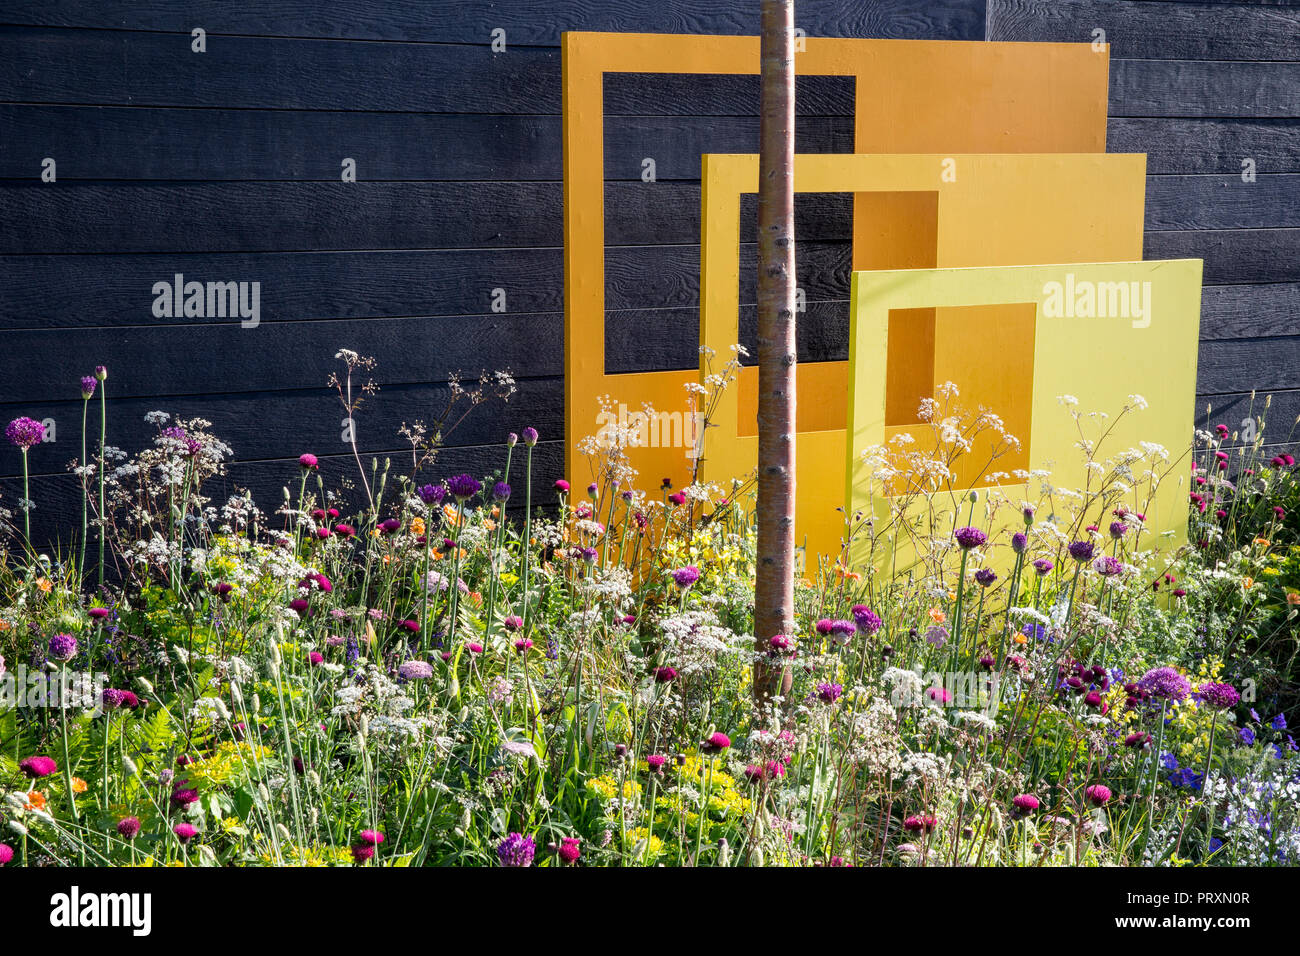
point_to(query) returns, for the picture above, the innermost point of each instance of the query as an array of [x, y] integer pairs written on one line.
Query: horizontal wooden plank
[[130, 143], [1240, 365], [93, 67], [1279, 410], [1199, 145], [1232, 256], [525, 22], [1217, 88], [269, 217], [312, 420], [1246, 311], [1222, 202], [1173, 31], [110, 291], [57, 516]]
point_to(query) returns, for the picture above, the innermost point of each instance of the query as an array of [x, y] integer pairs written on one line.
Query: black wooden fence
[[227, 165]]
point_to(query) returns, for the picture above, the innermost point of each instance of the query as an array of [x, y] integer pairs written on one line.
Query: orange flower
[[417, 526], [449, 512], [489, 523], [1293, 598], [78, 785], [1020, 639], [1263, 542], [35, 801], [44, 584], [937, 615], [476, 597], [1247, 582]]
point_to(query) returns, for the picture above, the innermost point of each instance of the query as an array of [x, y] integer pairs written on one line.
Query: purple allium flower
[[308, 461], [1118, 529], [1024, 804], [569, 851], [1219, 696], [969, 538], [715, 743], [185, 831], [6, 853], [1082, 551], [112, 698], [101, 372], [88, 383], [25, 432], [1019, 542], [431, 494], [1043, 567], [63, 648], [128, 827], [686, 576], [1107, 566], [463, 487], [416, 670], [1098, 794], [829, 693], [530, 436], [985, 577], [516, 850], [1165, 682], [823, 627], [36, 767], [500, 491], [866, 620]]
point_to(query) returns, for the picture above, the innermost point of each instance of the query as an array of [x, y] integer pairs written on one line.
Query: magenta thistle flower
[[523, 645], [516, 850], [1137, 740], [1098, 795], [308, 461], [362, 852], [512, 622], [570, 851], [715, 743], [372, 837], [25, 432], [920, 823], [665, 675], [969, 538], [98, 613], [1024, 803], [39, 766], [562, 486], [185, 831], [656, 762], [823, 627], [128, 827], [6, 853], [63, 648], [182, 797], [316, 658], [1219, 696]]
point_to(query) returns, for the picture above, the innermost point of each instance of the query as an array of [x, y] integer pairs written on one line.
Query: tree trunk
[[774, 586]]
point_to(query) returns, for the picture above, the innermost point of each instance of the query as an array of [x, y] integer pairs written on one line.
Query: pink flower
[[185, 831], [41, 766]]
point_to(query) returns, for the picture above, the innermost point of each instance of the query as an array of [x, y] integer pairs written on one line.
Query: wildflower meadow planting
[[477, 670], [554, 435]]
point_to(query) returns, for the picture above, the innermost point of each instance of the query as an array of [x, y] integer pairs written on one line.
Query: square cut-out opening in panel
[[898, 230], [987, 352]]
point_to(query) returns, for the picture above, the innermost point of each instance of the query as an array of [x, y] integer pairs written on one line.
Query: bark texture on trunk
[[774, 586]]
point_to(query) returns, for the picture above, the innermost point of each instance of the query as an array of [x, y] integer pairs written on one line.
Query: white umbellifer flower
[[210, 710]]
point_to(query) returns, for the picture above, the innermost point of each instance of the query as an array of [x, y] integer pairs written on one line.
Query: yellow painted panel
[[911, 96], [991, 210], [1103, 358]]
